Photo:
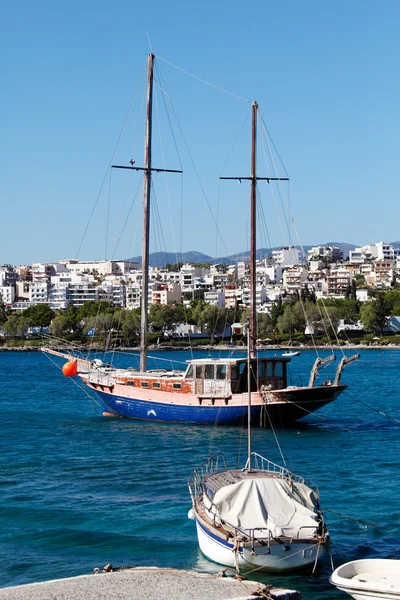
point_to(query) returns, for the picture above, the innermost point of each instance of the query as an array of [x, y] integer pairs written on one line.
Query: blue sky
[[326, 77]]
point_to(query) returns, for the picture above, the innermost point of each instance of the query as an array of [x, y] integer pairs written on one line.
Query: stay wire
[[108, 168], [203, 80], [200, 182], [376, 410], [117, 242]]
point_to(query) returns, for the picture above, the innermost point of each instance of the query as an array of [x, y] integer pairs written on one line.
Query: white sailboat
[[369, 578], [263, 516]]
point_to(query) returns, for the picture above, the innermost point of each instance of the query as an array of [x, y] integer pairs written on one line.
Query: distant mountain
[[160, 259]]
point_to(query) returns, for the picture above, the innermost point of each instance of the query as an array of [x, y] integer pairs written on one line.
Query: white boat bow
[[369, 578]]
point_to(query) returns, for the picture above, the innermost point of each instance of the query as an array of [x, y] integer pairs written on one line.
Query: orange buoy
[[70, 368]]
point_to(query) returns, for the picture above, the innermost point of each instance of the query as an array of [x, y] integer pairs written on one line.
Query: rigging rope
[[379, 412], [106, 173], [203, 80]]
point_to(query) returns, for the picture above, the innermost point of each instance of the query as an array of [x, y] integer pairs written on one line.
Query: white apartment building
[[133, 295], [215, 297], [371, 252], [384, 273], [273, 273], [294, 279], [39, 291], [339, 281], [231, 293], [261, 297], [187, 277], [288, 256], [166, 293], [98, 267], [7, 293], [330, 253], [385, 251]]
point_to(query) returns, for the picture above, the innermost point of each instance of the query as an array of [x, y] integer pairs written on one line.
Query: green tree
[[264, 325], [92, 309], [367, 315], [276, 312], [330, 319], [16, 325], [4, 311], [374, 313], [392, 297], [39, 315], [353, 294], [289, 321], [382, 311], [60, 325], [349, 310], [212, 320], [104, 323], [161, 317], [174, 268], [360, 280], [131, 325]]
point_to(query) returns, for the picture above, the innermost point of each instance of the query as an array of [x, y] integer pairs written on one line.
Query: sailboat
[[263, 516], [208, 391]]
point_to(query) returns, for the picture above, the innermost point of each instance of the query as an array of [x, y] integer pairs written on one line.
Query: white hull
[[279, 558], [368, 579]]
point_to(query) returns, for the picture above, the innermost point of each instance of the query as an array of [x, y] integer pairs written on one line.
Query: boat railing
[[260, 463], [208, 467], [264, 535], [312, 527]]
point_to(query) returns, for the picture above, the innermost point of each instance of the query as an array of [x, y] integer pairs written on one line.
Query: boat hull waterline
[[290, 406], [278, 558]]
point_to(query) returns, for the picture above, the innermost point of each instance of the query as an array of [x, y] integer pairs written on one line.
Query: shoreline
[[215, 348]]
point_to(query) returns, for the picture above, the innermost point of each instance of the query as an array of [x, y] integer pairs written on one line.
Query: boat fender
[[191, 515], [70, 369]]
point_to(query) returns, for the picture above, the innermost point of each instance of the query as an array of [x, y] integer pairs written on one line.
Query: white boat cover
[[268, 503]]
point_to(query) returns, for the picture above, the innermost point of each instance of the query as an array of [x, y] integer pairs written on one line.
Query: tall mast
[[253, 192], [146, 217], [147, 169]]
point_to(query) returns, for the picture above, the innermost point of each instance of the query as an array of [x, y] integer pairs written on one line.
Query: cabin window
[[129, 383], [278, 369], [199, 371], [270, 369], [209, 372], [177, 386], [156, 385], [221, 372], [144, 384], [189, 374]]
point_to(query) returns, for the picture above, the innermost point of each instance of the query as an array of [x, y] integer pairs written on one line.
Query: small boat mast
[[252, 326], [253, 226]]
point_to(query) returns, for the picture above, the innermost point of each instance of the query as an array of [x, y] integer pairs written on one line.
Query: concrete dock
[[147, 583]]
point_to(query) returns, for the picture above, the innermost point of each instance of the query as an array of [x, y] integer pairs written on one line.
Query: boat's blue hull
[[294, 404], [132, 408]]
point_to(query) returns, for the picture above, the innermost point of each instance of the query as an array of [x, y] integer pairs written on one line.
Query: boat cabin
[[223, 377]]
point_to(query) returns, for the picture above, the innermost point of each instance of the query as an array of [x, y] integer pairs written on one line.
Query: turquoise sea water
[[79, 490]]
